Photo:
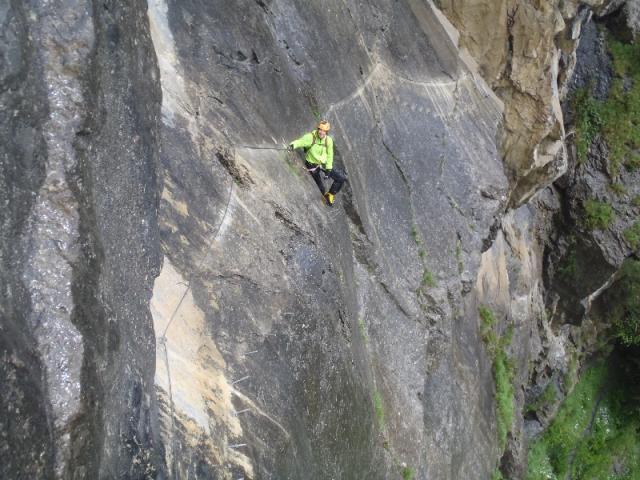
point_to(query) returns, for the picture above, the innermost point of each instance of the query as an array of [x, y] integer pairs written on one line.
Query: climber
[[318, 147]]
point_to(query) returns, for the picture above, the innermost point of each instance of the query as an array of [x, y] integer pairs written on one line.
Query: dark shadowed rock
[[79, 239]]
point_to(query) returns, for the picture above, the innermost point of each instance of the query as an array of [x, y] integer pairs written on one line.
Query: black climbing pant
[[336, 175]]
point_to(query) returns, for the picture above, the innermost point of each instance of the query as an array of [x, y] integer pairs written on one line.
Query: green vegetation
[[427, 279], [636, 201], [502, 372], [594, 435], [568, 269], [588, 122], [378, 408], [503, 376], [497, 475], [415, 235], [616, 119], [487, 325], [632, 235], [363, 330], [598, 215], [618, 188], [624, 297], [571, 375], [408, 473]]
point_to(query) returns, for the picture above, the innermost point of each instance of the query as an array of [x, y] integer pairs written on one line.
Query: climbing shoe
[[330, 198]]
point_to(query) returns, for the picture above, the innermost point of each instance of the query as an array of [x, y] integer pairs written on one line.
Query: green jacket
[[320, 152]]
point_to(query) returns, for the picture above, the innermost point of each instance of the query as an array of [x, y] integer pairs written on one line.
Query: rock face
[[177, 300], [301, 342], [526, 51], [514, 44], [79, 239], [573, 264]]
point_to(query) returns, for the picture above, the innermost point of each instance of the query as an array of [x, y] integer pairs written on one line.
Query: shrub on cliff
[[503, 372], [616, 119], [598, 215]]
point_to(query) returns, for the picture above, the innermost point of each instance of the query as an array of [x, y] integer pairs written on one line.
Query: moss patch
[[616, 119], [379, 409], [427, 279], [598, 215], [502, 372], [632, 235], [408, 473]]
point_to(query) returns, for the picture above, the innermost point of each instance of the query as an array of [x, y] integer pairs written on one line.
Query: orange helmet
[[324, 126]]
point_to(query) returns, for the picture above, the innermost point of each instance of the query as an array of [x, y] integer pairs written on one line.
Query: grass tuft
[[618, 188], [408, 473], [503, 372], [415, 235], [616, 119], [598, 215], [588, 122], [632, 235], [379, 409], [427, 279], [363, 330]]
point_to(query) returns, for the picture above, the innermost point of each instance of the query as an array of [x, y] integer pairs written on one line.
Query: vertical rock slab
[[342, 335], [52, 231], [80, 249], [26, 445]]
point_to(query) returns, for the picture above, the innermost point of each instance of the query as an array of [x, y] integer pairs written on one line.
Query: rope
[[199, 265], [250, 147], [163, 339]]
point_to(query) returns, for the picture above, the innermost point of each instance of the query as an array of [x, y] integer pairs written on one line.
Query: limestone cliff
[[177, 300], [79, 239], [340, 334], [526, 52]]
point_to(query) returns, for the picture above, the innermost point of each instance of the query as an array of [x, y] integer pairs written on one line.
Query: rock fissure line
[[381, 65], [162, 340], [256, 409]]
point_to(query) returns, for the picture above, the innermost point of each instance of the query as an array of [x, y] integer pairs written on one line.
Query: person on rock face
[[318, 147]]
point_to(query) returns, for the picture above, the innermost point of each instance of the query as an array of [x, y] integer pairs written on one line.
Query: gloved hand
[[290, 148]]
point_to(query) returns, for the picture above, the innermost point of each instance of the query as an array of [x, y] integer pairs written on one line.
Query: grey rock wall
[[23, 151], [79, 239], [296, 341], [178, 302]]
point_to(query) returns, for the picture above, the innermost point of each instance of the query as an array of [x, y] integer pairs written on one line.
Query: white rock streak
[[64, 36], [174, 94]]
